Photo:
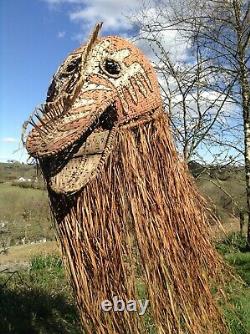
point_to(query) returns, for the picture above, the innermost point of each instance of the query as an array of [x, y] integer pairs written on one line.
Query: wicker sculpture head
[[127, 214], [99, 88]]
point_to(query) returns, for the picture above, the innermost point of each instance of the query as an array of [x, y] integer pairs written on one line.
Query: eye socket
[[111, 67], [73, 65], [65, 78]]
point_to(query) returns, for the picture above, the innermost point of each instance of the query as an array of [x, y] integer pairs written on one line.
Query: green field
[[24, 213]]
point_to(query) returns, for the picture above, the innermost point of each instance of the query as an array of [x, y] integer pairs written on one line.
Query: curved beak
[[57, 131]]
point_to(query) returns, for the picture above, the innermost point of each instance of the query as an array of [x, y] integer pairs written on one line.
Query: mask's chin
[[69, 171]]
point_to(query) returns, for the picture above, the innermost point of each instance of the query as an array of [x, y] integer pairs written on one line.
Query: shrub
[[46, 262], [234, 242]]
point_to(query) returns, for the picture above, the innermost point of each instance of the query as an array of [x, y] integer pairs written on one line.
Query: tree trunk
[[245, 96], [241, 222], [246, 112], [247, 165]]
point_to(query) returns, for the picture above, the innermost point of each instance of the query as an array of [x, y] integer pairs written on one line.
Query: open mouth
[[70, 169]]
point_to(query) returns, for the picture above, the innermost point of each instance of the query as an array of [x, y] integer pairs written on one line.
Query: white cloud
[[87, 13], [9, 140], [177, 49], [61, 34], [169, 38], [117, 17], [111, 12]]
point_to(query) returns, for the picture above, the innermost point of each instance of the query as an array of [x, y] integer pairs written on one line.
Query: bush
[[31, 185], [232, 243], [46, 262], [23, 184]]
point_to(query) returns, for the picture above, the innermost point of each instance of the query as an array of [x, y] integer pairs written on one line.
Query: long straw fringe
[[142, 211]]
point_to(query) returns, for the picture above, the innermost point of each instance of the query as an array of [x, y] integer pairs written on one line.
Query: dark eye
[[112, 67], [73, 65], [65, 78]]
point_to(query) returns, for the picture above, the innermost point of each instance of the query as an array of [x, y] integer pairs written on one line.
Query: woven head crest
[[99, 87]]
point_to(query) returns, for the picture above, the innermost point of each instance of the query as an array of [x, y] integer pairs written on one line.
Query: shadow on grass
[[31, 311]]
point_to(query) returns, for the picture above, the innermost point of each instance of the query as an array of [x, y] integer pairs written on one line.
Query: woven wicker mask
[[132, 219], [99, 87]]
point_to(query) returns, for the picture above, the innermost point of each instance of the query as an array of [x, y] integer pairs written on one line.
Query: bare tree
[[218, 34], [201, 114]]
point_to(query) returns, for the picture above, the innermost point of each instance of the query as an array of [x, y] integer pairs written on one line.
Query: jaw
[[69, 170], [84, 165]]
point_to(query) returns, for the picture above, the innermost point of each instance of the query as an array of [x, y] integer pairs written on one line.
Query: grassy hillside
[[13, 171], [227, 193], [24, 211]]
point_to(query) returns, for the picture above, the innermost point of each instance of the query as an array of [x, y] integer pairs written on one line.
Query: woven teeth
[[61, 103], [41, 109], [56, 112], [38, 128], [132, 91], [132, 94], [53, 112], [46, 125], [49, 117], [145, 79], [123, 101], [141, 84], [40, 120]]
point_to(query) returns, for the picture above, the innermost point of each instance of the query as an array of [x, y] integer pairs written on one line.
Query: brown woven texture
[[127, 212]]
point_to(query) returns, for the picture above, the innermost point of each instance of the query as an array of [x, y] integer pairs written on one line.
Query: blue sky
[[35, 36]]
